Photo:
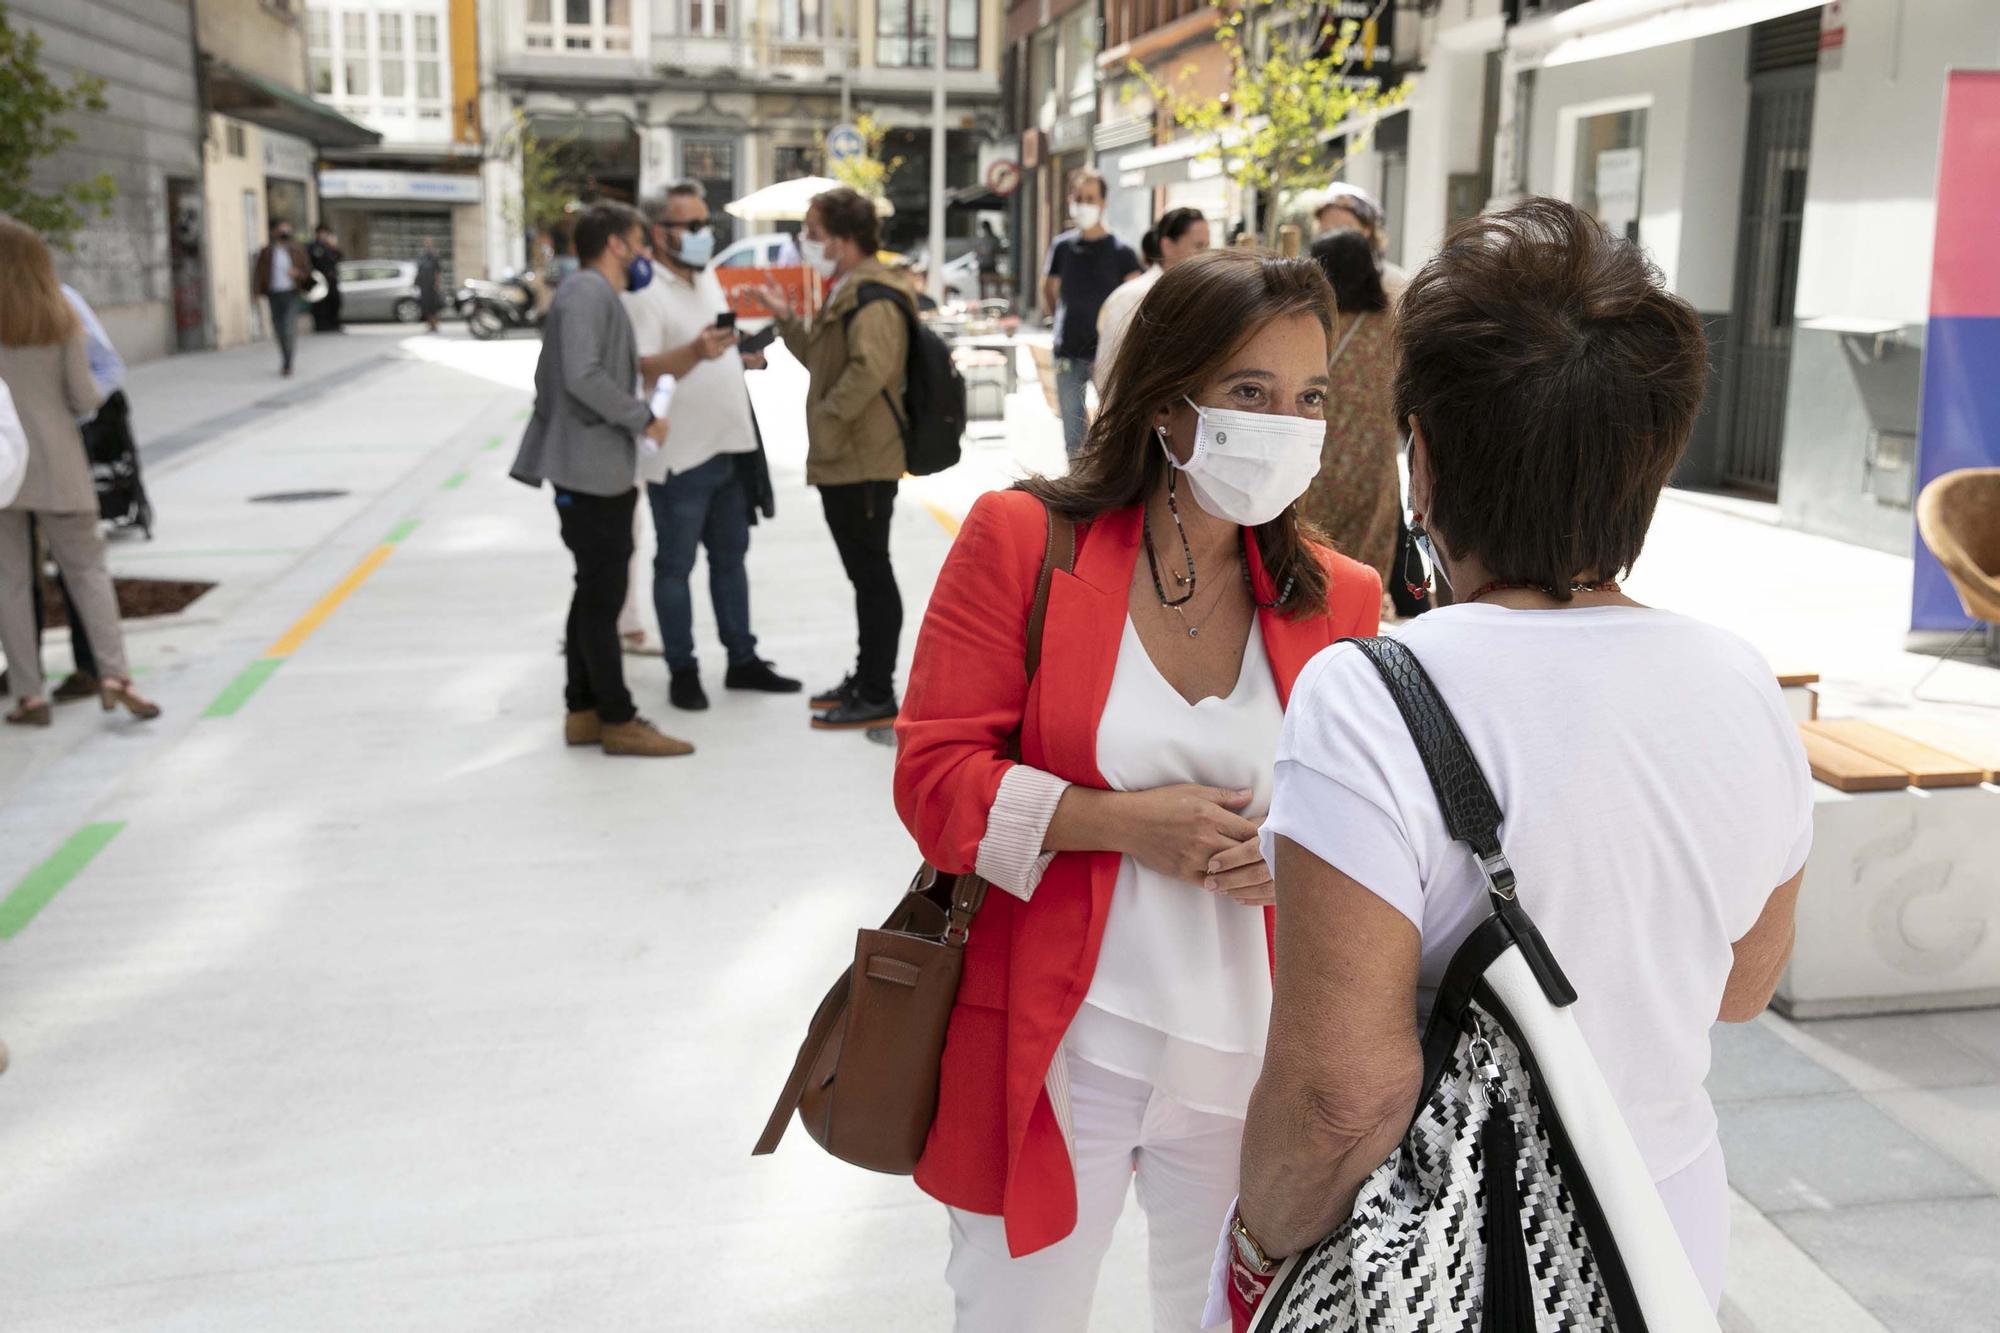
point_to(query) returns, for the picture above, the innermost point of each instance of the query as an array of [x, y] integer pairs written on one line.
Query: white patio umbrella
[[787, 200]]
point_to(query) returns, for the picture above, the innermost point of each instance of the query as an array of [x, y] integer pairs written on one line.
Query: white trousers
[[1185, 1163]]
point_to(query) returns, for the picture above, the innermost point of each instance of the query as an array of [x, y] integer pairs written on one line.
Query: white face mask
[[816, 257], [1248, 467], [1087, 215]]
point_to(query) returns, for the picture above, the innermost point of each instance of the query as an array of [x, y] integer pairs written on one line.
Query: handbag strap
[[1471, 814], [1058, 552]]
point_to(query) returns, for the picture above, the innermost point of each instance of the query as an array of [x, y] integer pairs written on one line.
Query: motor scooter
[[492, 309]]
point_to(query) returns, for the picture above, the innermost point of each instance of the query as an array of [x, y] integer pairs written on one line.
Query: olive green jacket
[[852, 433]]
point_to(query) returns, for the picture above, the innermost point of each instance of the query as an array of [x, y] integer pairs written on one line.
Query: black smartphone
[[751, 343], [726, 320]]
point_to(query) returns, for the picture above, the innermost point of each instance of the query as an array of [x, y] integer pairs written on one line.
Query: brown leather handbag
[[865, 1083]]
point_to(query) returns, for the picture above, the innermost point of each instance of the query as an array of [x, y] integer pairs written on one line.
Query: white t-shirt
[[1114, 321], [1654, 793], [1181, 997], [281, 269], [710, 413]]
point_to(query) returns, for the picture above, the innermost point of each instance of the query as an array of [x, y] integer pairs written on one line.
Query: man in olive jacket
[[855, 350]]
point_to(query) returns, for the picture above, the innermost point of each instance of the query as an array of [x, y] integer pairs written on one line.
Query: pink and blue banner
[[1960, 426]]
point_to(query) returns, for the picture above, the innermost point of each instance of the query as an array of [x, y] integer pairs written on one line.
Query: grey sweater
[[588, 413]]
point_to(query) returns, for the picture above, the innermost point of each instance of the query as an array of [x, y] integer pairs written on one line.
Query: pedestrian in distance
[[324, 252], [1179, 234], [582, 440], [281, 272], [1112, 1026], [855, 350], [1347, 207], [45, 363], [706, 483], [430, 284], [1657, 803], [1357, 499], [1084, 266], [986, 246]]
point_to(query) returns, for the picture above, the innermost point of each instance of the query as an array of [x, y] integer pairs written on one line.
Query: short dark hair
[[278, 224], [1176, 222], [850, 215], [1082, 174], [1556, 382], [1347, 257], [599, 223], [1149, 246]]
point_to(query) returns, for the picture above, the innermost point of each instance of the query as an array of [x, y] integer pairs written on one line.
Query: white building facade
[[1778, 161]]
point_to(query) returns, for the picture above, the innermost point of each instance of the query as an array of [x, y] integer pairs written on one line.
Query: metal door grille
[[1767, 270]]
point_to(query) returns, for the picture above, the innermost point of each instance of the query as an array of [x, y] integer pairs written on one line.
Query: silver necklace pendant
[[1194, 631]]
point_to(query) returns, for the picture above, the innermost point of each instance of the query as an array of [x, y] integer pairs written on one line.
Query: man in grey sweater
[[583, 441]]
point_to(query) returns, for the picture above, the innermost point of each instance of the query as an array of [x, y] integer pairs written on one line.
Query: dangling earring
[[1427, 549], [1416, 572]]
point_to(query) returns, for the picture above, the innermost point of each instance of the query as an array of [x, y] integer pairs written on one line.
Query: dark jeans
[[598, 532], [703, 506], [326, 312], [285, 323], [858, 516]]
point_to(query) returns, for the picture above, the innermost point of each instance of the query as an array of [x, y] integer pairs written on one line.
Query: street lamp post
[[936, 265]]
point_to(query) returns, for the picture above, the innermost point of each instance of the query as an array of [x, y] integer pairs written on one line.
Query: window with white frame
[[577, 25], [707, 18], [379, 60]]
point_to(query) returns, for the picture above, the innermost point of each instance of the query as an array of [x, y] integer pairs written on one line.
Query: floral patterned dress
[[1354, 501]]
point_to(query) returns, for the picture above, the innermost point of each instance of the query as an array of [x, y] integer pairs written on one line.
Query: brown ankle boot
[[641, 737], [582, 728]]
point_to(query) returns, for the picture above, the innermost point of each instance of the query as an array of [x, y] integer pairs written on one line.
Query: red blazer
[[996, 1146]]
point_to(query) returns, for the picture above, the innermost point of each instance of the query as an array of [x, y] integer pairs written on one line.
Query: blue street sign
[[844, 142]]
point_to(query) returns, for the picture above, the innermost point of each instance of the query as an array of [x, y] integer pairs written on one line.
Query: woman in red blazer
[[1111, 1015]]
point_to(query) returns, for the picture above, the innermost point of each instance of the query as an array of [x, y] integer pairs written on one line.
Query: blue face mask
[[638, 273], [697, 248]]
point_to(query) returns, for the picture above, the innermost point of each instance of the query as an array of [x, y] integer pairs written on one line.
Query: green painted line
[[400, 531], [524, 414], [493, 443], [238, 691], [46, 880], [454, 481]]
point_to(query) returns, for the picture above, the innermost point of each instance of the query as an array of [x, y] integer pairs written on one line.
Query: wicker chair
[[1958, 516]]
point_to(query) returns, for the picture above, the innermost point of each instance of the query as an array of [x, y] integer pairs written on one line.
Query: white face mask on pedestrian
[[1086, 216], [815, 255], [1249, 467]]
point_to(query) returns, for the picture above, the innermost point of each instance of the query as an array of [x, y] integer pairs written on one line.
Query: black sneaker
[[757, 675], [834, 697], [856, 714], [684, 691]]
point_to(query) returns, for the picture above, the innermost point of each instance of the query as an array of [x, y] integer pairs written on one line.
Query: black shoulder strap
[[868, 293], [1471, 813]]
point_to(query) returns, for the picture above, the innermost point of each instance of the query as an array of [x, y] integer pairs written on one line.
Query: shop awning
[[246, 96], [1619, 27]]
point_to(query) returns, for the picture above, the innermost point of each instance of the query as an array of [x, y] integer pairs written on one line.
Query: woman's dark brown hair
[[1556, 382], [849, 215], [1182, 334]]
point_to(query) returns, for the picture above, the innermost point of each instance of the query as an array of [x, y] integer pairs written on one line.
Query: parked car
[[961, 275], [773, 249], [379, 289]]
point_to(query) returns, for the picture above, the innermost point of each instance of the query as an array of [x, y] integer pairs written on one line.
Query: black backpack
[[932, 415]]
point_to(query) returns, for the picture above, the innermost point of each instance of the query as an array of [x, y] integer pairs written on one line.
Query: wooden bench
[[1801, 691], [1900, 909]]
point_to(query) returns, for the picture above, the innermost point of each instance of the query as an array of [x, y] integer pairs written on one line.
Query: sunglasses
[[684, 226]]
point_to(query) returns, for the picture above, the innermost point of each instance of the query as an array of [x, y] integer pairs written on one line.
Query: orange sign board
[[793, 279]]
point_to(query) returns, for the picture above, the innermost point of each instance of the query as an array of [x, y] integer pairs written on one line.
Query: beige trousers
[[78, 546]]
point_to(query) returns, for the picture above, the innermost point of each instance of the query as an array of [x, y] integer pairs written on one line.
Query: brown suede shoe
[[30, 715], [76, 686], [582, 728], [640, 737]]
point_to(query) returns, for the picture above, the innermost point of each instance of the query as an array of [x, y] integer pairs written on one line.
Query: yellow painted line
[[327, 605], [946, 519]]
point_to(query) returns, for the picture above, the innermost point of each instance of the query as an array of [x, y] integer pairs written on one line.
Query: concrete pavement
[[379, 1008]]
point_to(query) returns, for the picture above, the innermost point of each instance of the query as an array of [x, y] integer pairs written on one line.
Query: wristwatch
[[1248, 1252]]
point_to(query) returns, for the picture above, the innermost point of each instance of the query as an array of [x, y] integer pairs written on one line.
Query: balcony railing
[[759, 54]]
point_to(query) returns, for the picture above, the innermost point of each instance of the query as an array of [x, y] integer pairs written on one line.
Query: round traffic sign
[[844, 142], [1003, 178]]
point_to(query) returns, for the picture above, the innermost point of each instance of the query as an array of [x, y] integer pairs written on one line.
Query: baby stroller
[[114, 465]]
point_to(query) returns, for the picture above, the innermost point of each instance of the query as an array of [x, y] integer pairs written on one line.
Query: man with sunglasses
[[707, 481]]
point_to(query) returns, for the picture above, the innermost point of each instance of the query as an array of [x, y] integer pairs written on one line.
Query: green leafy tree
[[553, 175], [34, 109], [869, 172], [1293, 76]]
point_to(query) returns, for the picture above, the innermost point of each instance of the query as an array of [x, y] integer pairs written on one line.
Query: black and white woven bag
[[1517, 1201]]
